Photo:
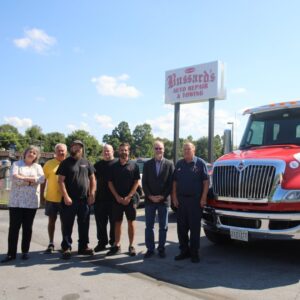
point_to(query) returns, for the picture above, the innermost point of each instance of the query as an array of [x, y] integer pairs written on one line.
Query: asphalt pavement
[[257, 270]]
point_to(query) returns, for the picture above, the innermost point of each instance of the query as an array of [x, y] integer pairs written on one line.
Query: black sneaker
[[99, 248], [131, 251], [8, 258], [195, 258], [86, 251], [66, 254], [25, 256], [50, 249], [114, 250], [182, 255], [148, 254], [162, 253]]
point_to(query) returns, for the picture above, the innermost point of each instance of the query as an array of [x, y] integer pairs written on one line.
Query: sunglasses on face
[[157, 148]]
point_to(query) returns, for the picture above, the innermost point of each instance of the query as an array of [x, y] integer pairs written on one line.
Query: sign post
[[176, 131], [198, 83]]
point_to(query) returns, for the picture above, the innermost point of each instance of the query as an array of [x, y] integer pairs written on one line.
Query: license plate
[[241, 235]]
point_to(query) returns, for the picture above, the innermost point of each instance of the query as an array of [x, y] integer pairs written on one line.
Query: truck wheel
[[216, 238]]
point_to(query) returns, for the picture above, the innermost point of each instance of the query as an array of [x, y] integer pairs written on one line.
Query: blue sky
[[69, 65]]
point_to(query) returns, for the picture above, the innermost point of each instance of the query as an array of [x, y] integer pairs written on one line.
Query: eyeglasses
[[157, 148]]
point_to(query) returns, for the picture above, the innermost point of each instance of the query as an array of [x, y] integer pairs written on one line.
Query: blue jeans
[[150, 213]]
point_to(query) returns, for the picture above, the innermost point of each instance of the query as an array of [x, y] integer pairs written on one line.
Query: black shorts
[[52, 209], [119, 209]]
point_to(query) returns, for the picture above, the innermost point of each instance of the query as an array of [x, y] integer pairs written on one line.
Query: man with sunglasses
[[157, 185]]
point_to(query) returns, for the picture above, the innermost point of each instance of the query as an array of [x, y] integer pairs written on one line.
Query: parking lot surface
[[257, 270]]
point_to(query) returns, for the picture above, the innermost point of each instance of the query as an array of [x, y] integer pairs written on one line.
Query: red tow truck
[[256, 189]]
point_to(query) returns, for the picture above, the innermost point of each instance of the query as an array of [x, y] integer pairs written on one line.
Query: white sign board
[[195, 83]]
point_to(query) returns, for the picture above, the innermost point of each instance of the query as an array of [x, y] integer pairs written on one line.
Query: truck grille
[[253, 182]]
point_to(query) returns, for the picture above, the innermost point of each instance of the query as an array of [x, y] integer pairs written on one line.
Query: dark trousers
[[20, 217], [189, 215], [103, 214], [68, 214]]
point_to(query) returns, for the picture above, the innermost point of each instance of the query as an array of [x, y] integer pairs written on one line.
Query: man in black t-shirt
[[78, 185], [104, 200], [123, 182]]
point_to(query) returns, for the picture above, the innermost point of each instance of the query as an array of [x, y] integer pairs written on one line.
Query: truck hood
[[283, 152]]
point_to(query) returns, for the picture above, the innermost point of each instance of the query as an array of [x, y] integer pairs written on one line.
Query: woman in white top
[[26, 176]]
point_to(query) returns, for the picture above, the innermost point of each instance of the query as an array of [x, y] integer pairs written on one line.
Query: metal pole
[[176, 131], [232, 135], [211, 118]]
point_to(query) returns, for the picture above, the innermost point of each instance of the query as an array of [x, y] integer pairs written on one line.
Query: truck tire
[[216, 238]]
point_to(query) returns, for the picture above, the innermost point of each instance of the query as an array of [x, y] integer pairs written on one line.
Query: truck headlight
[[293, 164], [292, 195]]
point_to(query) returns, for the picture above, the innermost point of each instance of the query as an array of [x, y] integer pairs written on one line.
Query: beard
[[124, 156], [75, 153]]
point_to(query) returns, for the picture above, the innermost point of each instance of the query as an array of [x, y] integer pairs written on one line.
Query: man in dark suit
[[157, 185]]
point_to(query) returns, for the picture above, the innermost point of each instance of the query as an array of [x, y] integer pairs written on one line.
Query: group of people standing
[[72, 185]]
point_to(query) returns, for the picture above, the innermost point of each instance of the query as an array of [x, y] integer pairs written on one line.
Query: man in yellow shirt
[[52, 195]]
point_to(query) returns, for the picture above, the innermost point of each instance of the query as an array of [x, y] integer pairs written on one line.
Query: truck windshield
[[272, 128]]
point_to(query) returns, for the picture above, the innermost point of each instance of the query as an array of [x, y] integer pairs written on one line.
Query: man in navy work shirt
[[190, 187], [78, 185], [123, 182]]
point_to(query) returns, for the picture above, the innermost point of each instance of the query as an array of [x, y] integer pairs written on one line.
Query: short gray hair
[[60, 145], [36, 149]]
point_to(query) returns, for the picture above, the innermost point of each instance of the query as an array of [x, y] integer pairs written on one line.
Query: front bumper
[[259, 225]]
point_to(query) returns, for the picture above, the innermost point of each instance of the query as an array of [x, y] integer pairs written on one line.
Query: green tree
[[53, 138], [142, 141], [113, 141], [9, 135], [120, 134], [218, 144], [168, 148], [202, 147], [34, 136], [92, 148]]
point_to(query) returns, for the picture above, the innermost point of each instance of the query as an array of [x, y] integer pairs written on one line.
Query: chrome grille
[[253, 182]]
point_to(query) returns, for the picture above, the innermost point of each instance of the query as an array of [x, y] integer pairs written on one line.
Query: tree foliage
[[92, 148], [120, 134], [10, 137], [53, 138], [142, 141], [34, 136]]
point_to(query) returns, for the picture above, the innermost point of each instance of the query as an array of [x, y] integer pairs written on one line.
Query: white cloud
[[238, 91], [82, 126], [84, 115], [104, 121], [18, 122], [194, 122], [114, 86], [36, 39], [71, 127]]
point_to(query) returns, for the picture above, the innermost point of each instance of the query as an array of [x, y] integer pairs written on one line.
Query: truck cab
[[256, 189]]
